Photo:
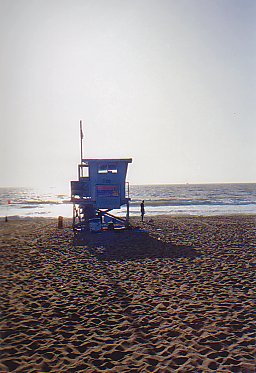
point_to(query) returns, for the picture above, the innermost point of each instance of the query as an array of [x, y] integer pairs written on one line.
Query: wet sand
[[175, 295]]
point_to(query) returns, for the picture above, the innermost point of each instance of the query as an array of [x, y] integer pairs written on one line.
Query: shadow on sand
[[131, 244]]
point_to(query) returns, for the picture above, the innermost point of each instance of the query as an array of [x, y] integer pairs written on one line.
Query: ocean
[[183, 199]]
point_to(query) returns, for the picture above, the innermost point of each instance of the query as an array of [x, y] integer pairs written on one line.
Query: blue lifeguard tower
[[100, 188]]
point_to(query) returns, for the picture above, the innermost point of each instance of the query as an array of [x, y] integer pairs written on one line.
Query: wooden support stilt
[[128, 214]]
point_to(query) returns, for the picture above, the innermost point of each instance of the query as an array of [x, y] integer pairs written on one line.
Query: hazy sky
[[170, 83]]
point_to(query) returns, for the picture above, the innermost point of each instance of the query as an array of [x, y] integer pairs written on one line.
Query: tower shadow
[[131, 245]]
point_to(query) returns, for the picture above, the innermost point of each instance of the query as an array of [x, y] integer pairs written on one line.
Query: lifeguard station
[[100, 188]]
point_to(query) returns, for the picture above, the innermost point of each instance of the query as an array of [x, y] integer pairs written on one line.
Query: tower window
[[107, 168]]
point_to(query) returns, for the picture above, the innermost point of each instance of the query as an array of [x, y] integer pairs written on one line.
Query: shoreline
[[134, 217], [174, 296]]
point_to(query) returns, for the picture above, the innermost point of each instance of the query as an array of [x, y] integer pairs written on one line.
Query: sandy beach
[[173, 295]]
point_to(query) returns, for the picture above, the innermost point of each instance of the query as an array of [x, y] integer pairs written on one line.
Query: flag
[[81, 131]]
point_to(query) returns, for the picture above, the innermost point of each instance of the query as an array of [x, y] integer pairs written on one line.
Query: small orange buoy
[[60, 222]]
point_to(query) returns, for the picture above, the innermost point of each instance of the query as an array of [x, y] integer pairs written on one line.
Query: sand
[[175, 295]]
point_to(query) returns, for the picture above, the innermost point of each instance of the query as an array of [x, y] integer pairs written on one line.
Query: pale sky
[[170, 83]]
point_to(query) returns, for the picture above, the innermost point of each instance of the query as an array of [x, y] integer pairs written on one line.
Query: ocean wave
[[150, 203], [193, 203], [35, 203], [169, 199]]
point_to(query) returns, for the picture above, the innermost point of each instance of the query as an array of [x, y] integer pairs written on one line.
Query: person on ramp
[[142, 210]]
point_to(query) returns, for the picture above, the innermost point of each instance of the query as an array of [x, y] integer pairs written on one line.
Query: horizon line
[[138, 184]]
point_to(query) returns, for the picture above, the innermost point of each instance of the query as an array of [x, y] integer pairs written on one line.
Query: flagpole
[[81, 140]]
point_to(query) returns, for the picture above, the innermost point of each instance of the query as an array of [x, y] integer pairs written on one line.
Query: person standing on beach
[[142, 210]]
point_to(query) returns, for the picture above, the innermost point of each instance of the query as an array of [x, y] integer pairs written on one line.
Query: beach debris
[[60, 222]]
